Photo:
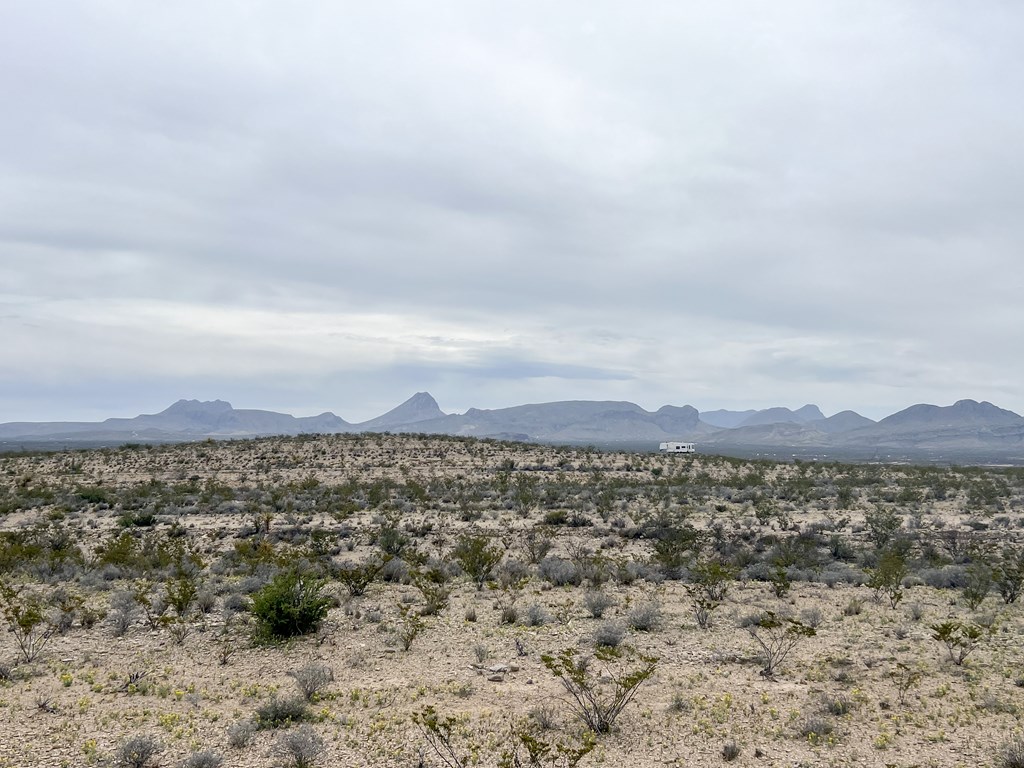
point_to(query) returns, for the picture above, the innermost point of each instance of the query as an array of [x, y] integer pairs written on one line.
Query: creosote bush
[[777, 636], [291, 604], [596, 706], [26, 619]]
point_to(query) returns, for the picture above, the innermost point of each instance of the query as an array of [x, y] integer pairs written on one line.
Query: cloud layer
[[331, 206]]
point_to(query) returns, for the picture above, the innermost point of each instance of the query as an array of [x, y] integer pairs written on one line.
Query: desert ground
[[475, 602]]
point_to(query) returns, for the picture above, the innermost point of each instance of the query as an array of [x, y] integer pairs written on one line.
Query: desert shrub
[[812, 616], [206, 601], [598, 698], [481, 652], [707, 589], [730, 751], [545, 717], [235, 602], [645, 617], [26, 619], [673, 542], [883, 525], [979, 584], [205, 759], [280, 712], [395, 571], [535, 615], [510, 572], [837, 704], [181, 592], [537, 546], [556, 517], [240, 733], [960, 639], [597, 602], [358, 576], [609, 634], [137, 752], [559, 572], [776, 637], [1008, 574], [301, 748], [947, 577], [887, 578], [291, 604], [814, 728], [121, 620], [409, 627], [441, 734], [529, 745], [478, 558], [1011, 755], [434, 590], [312, 679]]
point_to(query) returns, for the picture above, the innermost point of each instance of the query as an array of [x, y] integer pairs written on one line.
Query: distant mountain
[[420, 407], [751, 418], [844, 421], [965, 425], [966, 428], [183, 419], [725, 419], [963, 413], [572, 421], [783, 415]]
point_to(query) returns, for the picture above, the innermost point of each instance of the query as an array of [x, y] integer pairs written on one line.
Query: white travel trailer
[[678, 447]]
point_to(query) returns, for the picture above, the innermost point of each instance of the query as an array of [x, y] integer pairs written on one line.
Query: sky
[[314, 206]]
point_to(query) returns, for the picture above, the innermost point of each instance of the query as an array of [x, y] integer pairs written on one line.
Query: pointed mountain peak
[[809, 413], [420, 407], [423, 400]]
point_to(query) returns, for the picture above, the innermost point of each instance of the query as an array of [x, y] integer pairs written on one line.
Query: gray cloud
[[728, 204]]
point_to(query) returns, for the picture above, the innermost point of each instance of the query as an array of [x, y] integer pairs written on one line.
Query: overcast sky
[[314, 206]]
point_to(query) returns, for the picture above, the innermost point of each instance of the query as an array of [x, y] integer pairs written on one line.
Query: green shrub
[[24, 614], [281, 712], [478, 558], [960, 639], [777, 636], [291, 604], [598, 697]]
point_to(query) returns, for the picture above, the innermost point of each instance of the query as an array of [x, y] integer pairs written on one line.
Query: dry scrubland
[[446, 584]]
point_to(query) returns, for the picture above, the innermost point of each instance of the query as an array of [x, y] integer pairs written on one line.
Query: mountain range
[[962, 431]]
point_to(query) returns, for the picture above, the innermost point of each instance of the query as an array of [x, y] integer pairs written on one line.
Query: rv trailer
[[673, 447]]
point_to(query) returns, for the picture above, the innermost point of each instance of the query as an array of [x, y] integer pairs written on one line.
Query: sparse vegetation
[[463, 566]]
